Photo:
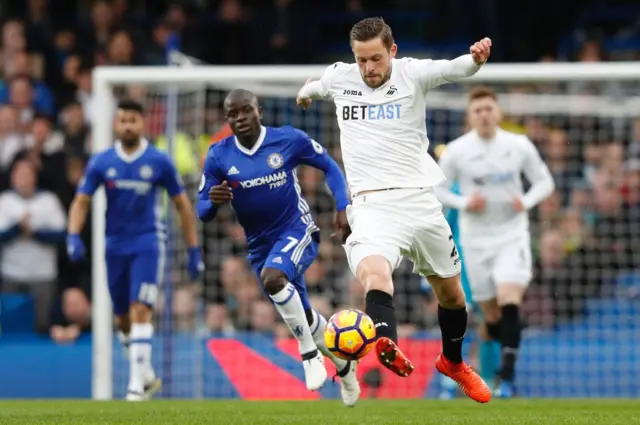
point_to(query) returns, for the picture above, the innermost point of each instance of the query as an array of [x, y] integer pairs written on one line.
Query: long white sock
[[124, 339], [139, 355], [317, 328], [289, 305]]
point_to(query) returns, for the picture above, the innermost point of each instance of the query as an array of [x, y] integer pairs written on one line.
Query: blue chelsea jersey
[[133, 220], [267, 197]]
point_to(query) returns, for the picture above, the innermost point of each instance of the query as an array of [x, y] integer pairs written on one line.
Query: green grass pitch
[[369, 412]]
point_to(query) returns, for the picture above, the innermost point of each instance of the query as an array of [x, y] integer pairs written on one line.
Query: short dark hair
[[43, 116], [21, 77], [370, 28], [131, 105], [481, 92]]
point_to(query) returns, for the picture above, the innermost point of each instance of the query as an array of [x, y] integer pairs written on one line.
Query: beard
[[130, 139], [376, 80]]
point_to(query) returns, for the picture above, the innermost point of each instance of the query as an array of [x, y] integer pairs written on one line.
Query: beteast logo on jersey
[[495, 178], [273, 180], [388, 111], [352, 93]]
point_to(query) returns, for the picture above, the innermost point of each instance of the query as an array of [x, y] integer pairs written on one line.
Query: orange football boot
[[392, 358], [469, 382]]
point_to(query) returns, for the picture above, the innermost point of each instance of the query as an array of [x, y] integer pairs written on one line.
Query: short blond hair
[[482, 92]]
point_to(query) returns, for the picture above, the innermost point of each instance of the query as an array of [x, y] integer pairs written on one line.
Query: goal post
[[279, 84]]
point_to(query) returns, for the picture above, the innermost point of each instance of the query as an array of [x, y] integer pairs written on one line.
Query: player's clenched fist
[[75, 247], [303, 101], [220, 194], [341, 227], [481, 50], [477, 203]]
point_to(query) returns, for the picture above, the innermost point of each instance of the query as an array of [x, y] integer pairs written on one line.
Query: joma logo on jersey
[[273, 180], [390, 111], [352, 93]]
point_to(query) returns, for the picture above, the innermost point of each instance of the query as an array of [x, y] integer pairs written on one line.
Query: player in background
[[380, 106], [255, 170], [487, 163], [488, 350], [131, 173]]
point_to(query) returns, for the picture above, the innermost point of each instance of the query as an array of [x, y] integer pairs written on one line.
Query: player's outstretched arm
[[537, 172], [316, 90], [434, 73], [312, 90]]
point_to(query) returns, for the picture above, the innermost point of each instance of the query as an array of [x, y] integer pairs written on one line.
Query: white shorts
[[488, 267], [398, 222]]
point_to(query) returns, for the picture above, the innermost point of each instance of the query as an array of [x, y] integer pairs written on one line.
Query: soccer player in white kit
[[487, 163], [380, 106]]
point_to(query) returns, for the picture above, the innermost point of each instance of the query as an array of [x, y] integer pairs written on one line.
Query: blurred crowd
[[585, 235]]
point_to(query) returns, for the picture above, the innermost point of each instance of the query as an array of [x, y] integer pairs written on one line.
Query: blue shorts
[[292, 254], [134, 278]]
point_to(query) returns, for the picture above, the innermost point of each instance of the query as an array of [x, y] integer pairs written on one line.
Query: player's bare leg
[[142, 380], [452, 316], [349, 385], [502, 316], [374, 272], [289, 304]]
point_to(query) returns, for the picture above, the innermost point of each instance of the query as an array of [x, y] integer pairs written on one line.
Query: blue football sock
[[489, 360]]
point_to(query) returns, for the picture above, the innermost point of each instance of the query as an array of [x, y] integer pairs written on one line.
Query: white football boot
[[315, 373], [349, 385], [135, 396], [152, 385]]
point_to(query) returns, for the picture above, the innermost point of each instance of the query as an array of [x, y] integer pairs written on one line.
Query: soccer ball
[[350, 334]]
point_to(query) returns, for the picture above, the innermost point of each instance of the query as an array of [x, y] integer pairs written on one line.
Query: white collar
[[133, 156], [256, 146]]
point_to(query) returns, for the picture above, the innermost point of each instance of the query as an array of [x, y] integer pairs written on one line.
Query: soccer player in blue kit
[[131, 173], [255, 170]]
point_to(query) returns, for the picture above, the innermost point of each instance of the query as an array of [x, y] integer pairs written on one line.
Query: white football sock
[[139, 355], [124, 338], [317, 328], [289, 305]]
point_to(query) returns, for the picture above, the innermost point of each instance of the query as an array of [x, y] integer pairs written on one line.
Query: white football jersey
[[383, 131], [493, 168]]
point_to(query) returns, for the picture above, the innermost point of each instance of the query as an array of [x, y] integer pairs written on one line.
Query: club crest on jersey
[[392, 90], [275, 161], [317, 147], [111, 173], [146, 172]]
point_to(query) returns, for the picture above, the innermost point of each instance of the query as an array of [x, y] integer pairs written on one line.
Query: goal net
[[220, 338]]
